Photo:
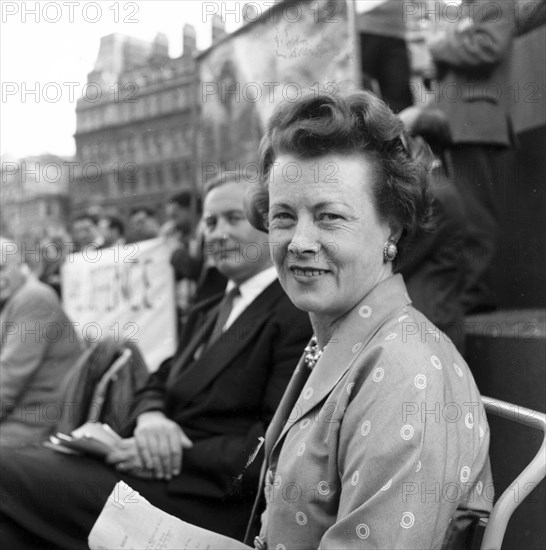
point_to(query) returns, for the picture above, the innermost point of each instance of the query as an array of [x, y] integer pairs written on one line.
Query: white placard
[[126, 292]]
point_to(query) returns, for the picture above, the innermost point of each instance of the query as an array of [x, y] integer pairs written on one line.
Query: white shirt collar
[[254, 286], [249, 291]]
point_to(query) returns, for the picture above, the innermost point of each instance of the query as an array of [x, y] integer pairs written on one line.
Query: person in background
[[199, 418], [180, 213], [179, 230], [39, 347], [432, 264], [85, 232], [383, 50], [353, 444], [53, 252], [112, 230], [143, 225], [471, 58]]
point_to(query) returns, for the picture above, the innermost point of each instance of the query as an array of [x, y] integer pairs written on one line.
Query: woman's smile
[[307, 273]]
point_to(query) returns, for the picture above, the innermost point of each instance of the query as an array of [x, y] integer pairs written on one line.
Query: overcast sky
[[38, 49]]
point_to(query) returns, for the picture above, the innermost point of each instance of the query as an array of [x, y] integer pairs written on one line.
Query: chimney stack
[[189, 40], [218, 28]]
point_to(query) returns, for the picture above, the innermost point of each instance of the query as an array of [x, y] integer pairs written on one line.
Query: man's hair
[[184, 199], [85, 216], [218, 181], [322, 124], [115, 222], [148, 211]]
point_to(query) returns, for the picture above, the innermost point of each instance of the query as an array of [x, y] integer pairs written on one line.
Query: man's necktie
[[226, 305]]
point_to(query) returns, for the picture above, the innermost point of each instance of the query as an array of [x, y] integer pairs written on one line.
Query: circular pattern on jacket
[[436, 363], [378, 374], [465, 474], [458, 370], [301, 449], [304, 423], [365, 428], [356, 347], [407, 521], [469, 421], [481, 431], [387, 485], [280, 546], [323, 488], [420, 381], [362, 531], [355, 478], [350, 387], [307, 393], [418, 466], [479, 487], [365, 311], [406, 432], [402, 318], [391, 336], [301, 518]]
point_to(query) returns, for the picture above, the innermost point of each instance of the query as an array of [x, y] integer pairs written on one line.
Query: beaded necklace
[[313, 353]]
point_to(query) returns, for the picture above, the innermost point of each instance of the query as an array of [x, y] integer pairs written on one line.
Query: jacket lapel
[[194, 334], [242, 332]]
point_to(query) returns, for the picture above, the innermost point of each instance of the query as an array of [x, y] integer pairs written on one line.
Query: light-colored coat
[[38, 347], [386, 439]]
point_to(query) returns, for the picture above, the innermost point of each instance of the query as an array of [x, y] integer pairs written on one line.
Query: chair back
[[525, 482], [101, 387]]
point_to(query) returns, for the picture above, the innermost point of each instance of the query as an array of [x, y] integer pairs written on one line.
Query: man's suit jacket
[[225, 399], [473, 62], [38, 348]]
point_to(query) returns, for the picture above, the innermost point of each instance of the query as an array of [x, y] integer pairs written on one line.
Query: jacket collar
[[214, 360]]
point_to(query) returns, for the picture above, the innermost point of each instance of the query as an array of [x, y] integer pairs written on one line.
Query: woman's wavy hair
[[320, 124]]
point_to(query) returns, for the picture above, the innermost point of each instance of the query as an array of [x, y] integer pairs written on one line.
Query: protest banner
[[125, 292]]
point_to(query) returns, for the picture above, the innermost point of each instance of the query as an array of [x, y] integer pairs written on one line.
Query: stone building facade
[[34, 198], [135, 125]]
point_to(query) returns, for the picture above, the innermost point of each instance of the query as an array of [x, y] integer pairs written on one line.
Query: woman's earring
[[390, 250]]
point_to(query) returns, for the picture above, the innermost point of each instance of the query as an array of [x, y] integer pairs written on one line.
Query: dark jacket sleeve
[[152, 396]]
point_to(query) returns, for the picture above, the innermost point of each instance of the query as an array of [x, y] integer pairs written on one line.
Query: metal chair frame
[[99, 395], [525, 482]]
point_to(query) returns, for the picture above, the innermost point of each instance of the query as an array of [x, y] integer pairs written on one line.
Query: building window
[[158, 143], [147, 176], [159, 177], [175, 173]]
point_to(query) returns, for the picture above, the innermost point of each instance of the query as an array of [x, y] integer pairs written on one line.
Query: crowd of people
[[305, 404]]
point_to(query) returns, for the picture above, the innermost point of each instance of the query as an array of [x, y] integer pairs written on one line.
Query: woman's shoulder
[[411, 350]]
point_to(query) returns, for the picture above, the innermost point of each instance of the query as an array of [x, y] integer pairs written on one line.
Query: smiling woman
[[353, 451]]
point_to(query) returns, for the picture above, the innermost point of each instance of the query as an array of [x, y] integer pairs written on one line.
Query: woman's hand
[[160, 442], [126, 458]]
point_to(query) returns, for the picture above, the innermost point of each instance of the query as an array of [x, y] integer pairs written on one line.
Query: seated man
[[199, 418], [38, 348]]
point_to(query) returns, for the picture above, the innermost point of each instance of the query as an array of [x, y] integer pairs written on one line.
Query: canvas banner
[[292, 49]]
